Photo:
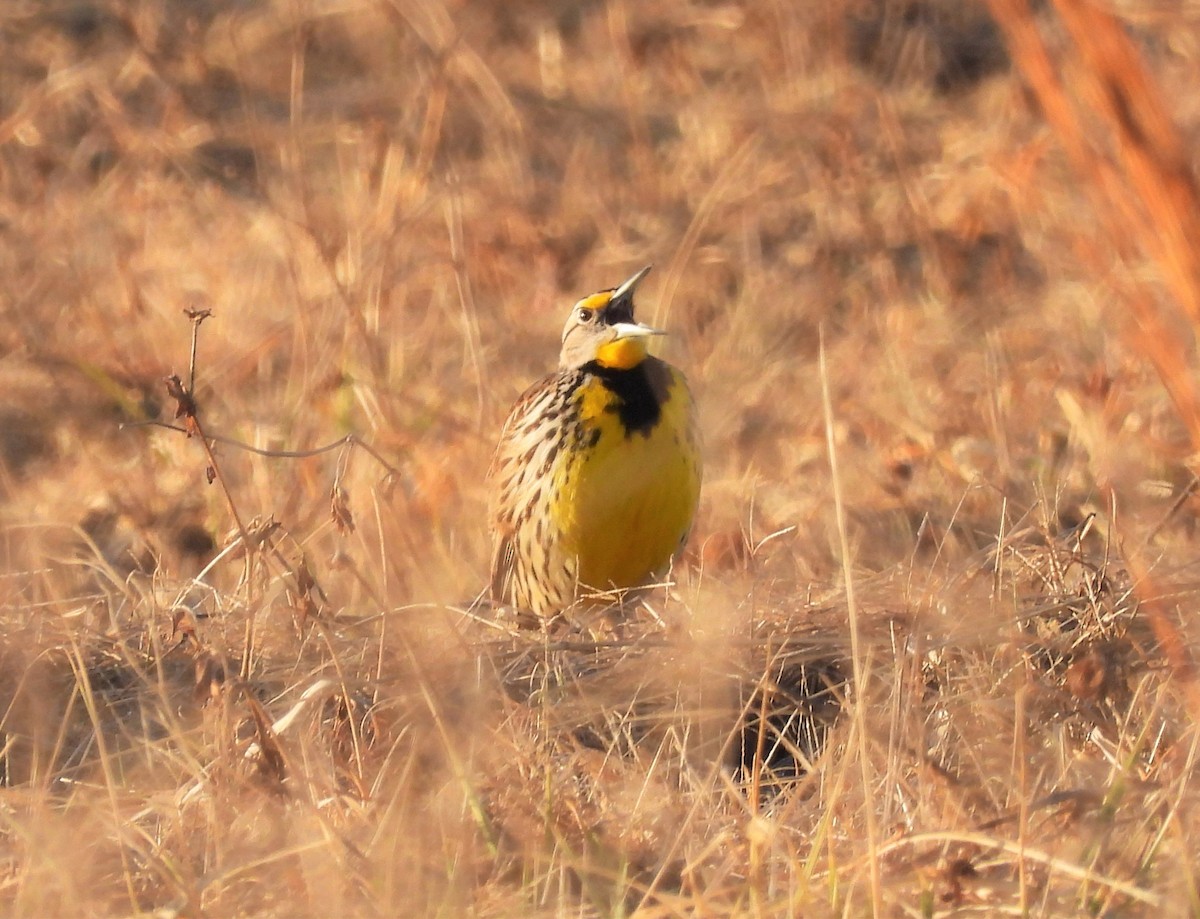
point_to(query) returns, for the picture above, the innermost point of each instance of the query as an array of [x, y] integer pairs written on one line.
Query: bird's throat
[[622, 354]]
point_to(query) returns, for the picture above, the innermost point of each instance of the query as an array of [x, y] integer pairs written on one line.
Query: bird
[[595, 481]]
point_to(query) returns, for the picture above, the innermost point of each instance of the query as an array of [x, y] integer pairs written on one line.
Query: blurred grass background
[[388, 207]]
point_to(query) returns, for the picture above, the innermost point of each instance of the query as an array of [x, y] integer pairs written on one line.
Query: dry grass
[[269, 695]]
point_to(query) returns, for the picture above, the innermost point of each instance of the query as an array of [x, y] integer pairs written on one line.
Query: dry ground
[[388, 206]]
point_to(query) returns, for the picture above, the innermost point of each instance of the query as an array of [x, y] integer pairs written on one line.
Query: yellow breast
[[629, 498]]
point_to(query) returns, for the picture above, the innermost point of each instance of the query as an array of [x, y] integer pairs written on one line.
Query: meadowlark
[[596, 478]]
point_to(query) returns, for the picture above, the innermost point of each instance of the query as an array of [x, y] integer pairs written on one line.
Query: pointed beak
[[634, 330], [625, 291]]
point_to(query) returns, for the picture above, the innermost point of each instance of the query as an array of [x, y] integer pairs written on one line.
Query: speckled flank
[[595, 483]]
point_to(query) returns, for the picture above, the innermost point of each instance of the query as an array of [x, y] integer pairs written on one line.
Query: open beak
[[623, 295], [634, 330]]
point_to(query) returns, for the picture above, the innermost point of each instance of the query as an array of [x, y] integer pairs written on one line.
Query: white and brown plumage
[[596, 478]]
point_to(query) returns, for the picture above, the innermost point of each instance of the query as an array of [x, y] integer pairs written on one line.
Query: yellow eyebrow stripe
[[595, 301]]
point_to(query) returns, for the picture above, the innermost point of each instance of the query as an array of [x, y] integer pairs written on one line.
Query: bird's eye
[[585, 315]]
